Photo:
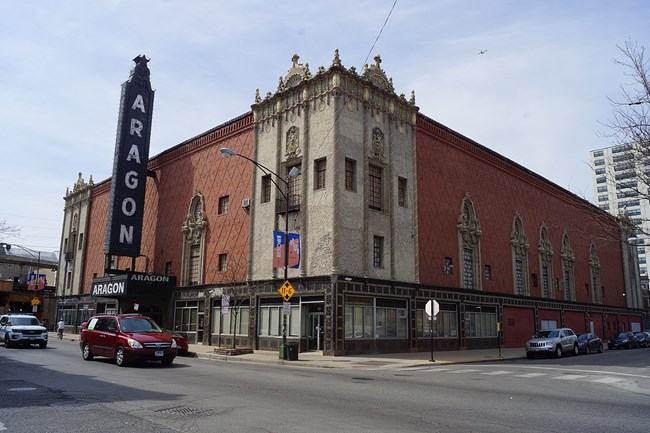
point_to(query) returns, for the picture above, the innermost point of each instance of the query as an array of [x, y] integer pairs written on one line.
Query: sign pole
[[431, 337]]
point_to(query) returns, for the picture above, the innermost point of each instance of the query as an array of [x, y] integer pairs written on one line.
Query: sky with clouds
[[537, 95]]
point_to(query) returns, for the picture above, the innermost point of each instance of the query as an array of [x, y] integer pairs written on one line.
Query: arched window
[[193, 245], [545, 250], [519, 242], [594, 271], [568, 260], [469, 235]]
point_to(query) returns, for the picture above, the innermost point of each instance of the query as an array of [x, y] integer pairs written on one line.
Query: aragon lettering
[[104, 289], [150, 278]]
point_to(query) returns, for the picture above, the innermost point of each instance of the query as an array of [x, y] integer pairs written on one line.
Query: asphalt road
[[54, 390]]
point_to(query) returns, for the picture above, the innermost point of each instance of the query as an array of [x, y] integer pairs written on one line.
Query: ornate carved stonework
[[293, 143], [545, 248], [195, 221], [377, 148], [518, 238], [377, 76], [567, 252], [468, 224], [296, 74]]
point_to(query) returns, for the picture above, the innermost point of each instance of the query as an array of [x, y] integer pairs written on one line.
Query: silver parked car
[[552, 342]]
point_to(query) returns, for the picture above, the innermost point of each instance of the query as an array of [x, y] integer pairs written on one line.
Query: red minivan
[[126, 338]]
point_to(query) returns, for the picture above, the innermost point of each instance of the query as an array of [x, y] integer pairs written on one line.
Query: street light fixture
[[227, 153]]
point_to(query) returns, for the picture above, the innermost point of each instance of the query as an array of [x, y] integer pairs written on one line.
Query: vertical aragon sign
[[126, 208]]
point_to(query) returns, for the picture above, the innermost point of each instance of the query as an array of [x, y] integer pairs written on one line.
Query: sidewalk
[[378, 361]]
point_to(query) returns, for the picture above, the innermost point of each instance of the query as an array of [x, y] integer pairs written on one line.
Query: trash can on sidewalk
[[291, 351]]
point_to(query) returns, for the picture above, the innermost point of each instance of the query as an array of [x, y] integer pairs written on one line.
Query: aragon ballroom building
[[392, 209]]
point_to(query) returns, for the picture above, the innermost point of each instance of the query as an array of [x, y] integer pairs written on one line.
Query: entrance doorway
[[315, 331]]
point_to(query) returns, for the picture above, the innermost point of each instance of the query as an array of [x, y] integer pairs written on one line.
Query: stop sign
[[432, 308]]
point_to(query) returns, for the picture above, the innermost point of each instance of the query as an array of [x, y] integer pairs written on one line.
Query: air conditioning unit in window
[[246, 203]]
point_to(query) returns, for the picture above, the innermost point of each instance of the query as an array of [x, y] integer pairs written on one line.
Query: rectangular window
[[266, 188], [401, 191], [488, 272], [545, 282], [81, 241], [69, 280], [270, 321], [519, 278], [599, 162], [223, 204], [468, 268], [601, 180], [375, 188], [600, 171], [195, 259], [350, 174], [378, 252], [482, 324], [602, 188], [223, 262], [225, 323], [598, 153], [567, 285], [168, 268], [445, 325], [294, 187], [320, 168], [388, 323]]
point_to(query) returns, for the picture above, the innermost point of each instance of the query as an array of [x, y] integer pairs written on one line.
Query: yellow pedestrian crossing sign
[[286, 290]]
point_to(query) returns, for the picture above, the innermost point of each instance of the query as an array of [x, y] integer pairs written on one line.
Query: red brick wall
[[576, 321], [450, 166], [193, 165]]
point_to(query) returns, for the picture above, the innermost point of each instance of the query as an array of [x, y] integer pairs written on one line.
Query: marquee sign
[[132, 283], [126, 209]]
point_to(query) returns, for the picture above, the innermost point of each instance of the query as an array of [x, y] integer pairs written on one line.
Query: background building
[[392, 209]]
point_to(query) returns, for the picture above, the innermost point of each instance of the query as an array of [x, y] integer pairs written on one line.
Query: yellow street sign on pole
[[286, 290]]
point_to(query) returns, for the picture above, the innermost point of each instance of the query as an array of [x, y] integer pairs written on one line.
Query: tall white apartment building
[[619, 188]]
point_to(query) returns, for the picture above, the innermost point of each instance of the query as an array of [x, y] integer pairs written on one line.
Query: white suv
[[554, 342], [22, 329]]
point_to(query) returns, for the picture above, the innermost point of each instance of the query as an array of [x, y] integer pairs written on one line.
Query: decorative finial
[[258, 98], [377, 60], [280, 84], [412, 100], [337, 59], [294, 60]]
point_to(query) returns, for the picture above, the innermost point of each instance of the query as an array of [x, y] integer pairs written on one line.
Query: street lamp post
[[227, 153]]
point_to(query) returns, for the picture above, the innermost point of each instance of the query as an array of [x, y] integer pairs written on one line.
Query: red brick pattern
[[193, 165], [450, 166]]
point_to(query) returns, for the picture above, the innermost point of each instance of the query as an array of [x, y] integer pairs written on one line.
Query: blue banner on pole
[[278, 250]]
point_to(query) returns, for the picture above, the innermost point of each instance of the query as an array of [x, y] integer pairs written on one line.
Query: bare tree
[[629, 131], [239, 294], [8, 230]]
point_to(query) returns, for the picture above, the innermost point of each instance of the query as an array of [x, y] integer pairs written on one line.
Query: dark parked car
[[643, 338], [126, 338], [589, 343], [181, 341], [623, 340]]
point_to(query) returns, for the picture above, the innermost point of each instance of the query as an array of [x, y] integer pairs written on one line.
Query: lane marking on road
[[432, 369], [531, 375], [569, 377], [2, 426], [609, 380], [574, 370], [469, 370], [497, 373]]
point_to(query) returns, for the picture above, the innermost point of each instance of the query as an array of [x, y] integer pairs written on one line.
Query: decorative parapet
[[299, 87]]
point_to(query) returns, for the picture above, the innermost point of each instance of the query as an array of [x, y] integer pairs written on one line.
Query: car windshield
[[640, 334], [622, 335], [138, 324], [582, 337], [547, 333], [25, 321]]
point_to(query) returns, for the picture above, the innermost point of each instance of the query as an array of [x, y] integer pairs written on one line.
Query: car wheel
[[8, 343], [42, 344], [86, 353], [587, 349], [167, 361], [120, 359], [576, 351], [601, 349], [558, 352]]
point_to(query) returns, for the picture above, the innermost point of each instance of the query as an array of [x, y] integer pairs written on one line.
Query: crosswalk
[[551, 375]]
